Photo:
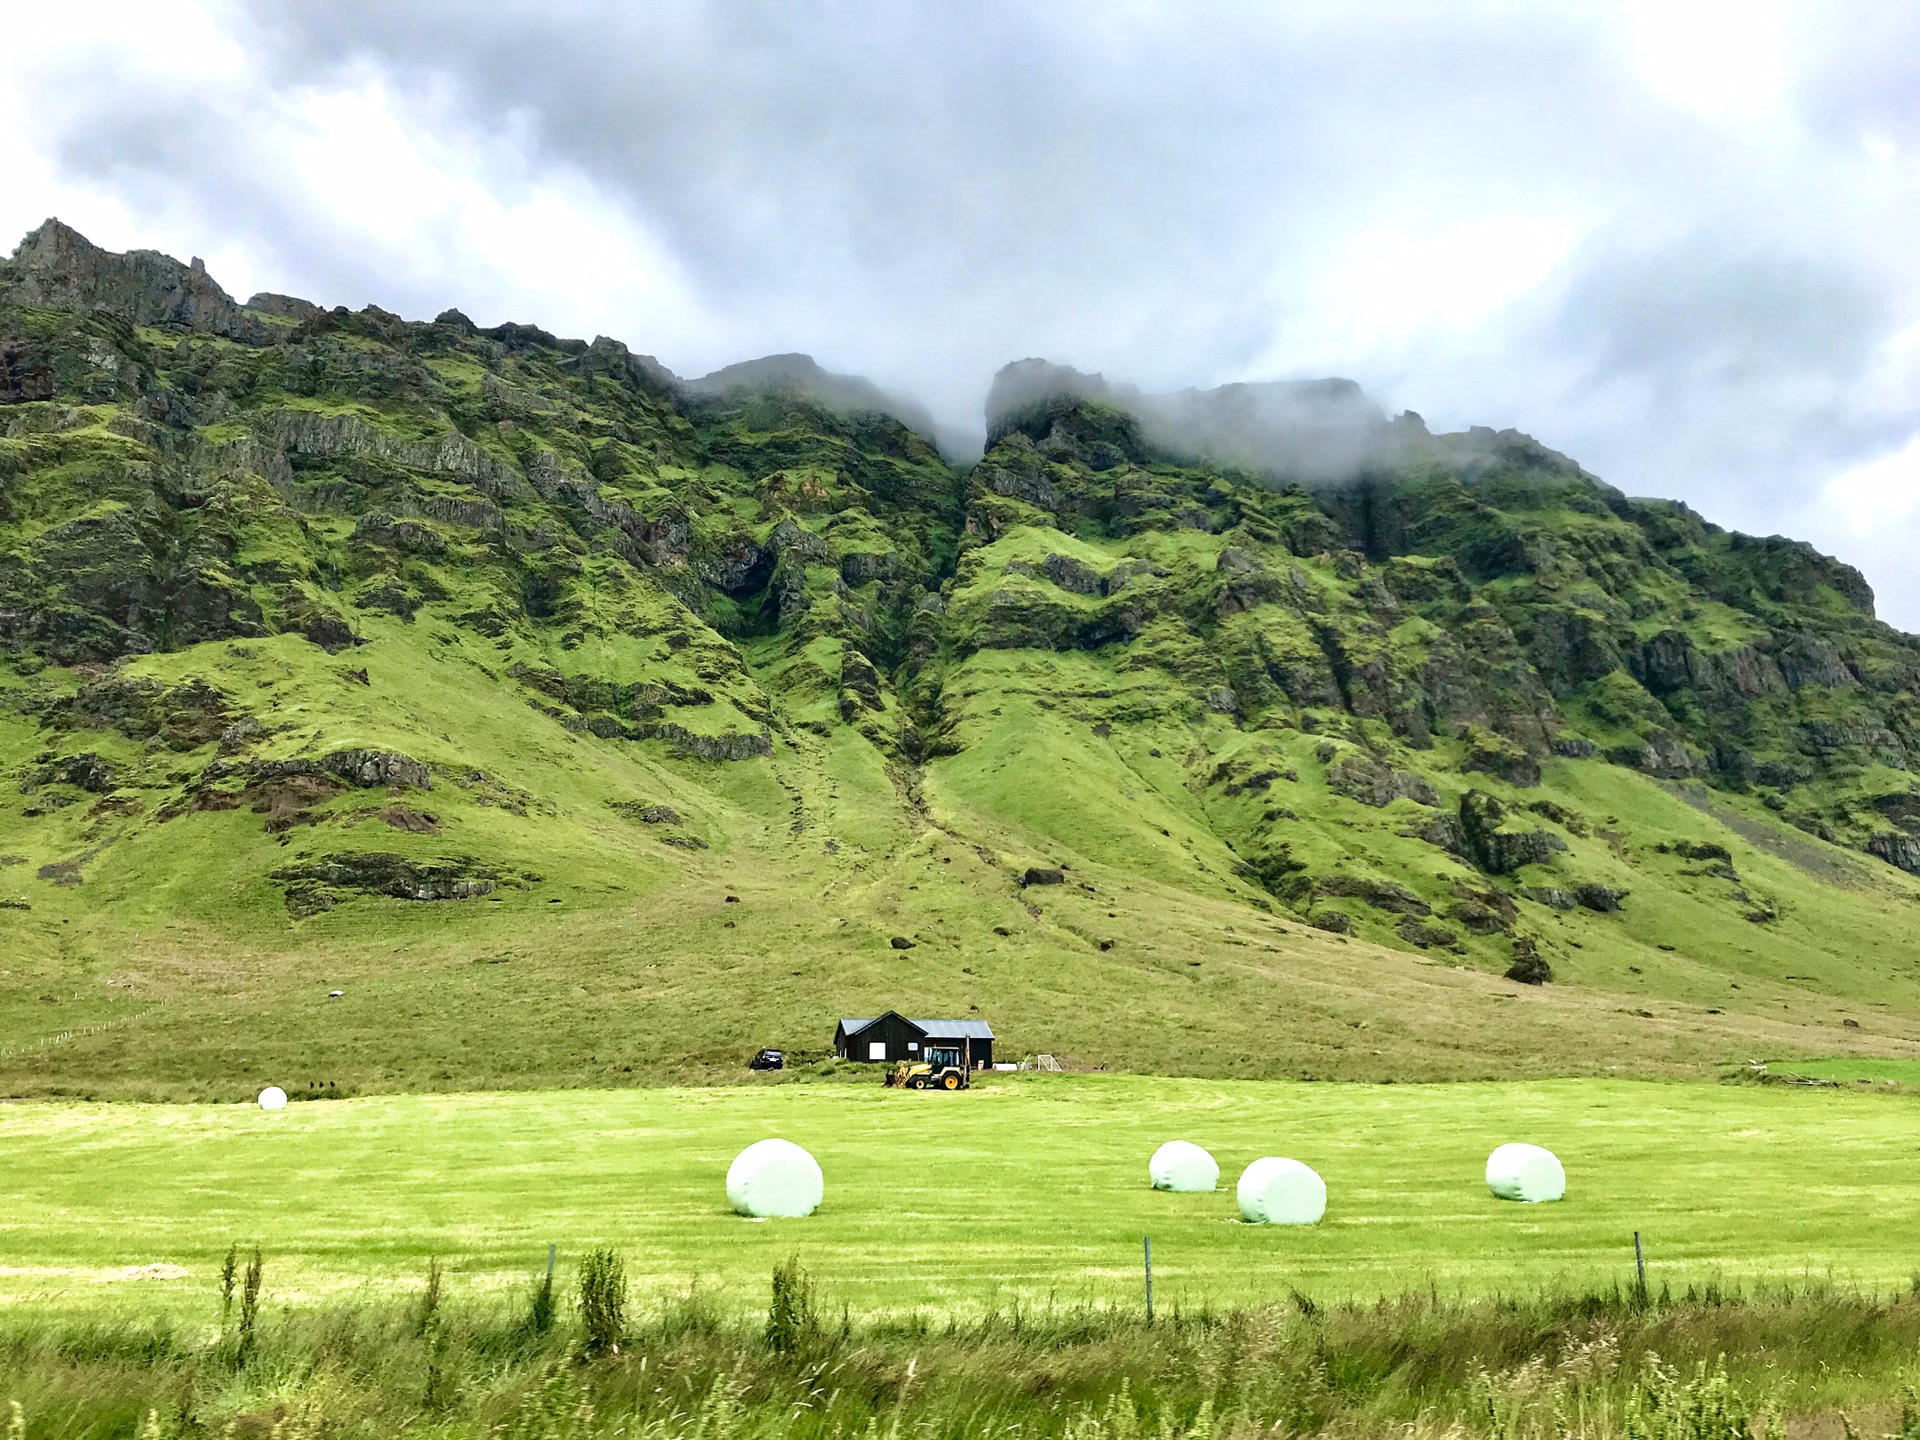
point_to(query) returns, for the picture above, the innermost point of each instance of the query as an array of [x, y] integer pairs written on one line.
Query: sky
[[1678, 240]]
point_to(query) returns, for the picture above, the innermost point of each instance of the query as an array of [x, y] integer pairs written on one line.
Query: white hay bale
[[273, 1098], [1526, 1172], [1179, 1165], [775, 1178], [1274, 1191]]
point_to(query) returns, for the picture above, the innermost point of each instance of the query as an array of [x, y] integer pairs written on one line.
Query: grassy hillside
[[586, 727]]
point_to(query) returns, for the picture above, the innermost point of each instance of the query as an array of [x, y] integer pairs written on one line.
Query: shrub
[[249, 1311], [603, 1299], [790, 1317]]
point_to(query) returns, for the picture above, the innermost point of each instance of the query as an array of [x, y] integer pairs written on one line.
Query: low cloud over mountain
[[1677, 242]]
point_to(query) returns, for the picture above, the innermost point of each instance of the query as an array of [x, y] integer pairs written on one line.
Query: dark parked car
[[768, 1060]]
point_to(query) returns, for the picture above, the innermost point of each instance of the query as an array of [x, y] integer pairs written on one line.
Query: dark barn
[[892, 1038]]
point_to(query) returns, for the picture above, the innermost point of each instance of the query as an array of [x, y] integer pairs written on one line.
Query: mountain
[[584, 724]]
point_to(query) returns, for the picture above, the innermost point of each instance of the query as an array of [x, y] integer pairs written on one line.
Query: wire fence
[[61, 1037]]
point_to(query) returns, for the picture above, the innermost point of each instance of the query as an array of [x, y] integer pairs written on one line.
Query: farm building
[[892, 1037]]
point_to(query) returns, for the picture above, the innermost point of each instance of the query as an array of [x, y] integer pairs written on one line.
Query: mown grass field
[[1030, 1188]]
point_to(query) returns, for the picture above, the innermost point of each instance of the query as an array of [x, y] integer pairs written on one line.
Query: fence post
[[1640, 1265], [1148, 1245]]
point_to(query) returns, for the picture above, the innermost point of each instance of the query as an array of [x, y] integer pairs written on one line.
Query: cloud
[[1748, 375], [347, 188], [1674, 241]]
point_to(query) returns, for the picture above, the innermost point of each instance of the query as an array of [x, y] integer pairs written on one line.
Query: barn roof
[[956, 1029], [939, 1029]]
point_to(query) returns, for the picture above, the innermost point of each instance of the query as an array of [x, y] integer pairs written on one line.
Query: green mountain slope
[[584, 724]]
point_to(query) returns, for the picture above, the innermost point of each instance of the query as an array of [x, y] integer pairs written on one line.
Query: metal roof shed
[[892, 1037]]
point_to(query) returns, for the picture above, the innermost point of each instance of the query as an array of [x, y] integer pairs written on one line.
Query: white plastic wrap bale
[[273, 1098], [1274, 1191], [1180, 1165], [775, 1179], [1526, 1172]]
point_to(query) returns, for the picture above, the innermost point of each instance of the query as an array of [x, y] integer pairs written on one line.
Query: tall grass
[[1710, 1366], [540, 1313], [228, 1269], [429, 1312]]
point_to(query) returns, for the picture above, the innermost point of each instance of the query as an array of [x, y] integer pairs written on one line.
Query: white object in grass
[[1526, 1172], [775, 1178], [1275, 1191], [1180, 1165], [273, 1098]]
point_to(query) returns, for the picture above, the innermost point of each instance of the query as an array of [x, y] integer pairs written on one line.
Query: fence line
[[47, 1042]]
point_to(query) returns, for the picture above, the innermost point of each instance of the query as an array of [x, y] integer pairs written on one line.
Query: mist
[[1313, 432]]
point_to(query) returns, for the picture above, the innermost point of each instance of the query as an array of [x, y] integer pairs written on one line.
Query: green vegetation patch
[[1025, 1188]]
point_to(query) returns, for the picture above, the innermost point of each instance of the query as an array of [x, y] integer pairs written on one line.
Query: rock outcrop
[[57, 268], [1354, 626]]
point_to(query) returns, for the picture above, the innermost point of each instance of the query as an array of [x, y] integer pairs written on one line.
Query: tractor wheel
[[918, 1082], [951, 1081]]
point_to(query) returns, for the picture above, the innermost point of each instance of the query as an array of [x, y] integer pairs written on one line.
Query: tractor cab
[[940, 1067]]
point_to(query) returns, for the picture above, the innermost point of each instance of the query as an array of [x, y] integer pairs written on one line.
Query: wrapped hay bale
[[273, 1098], [1526, 1172], [774, 1179], [1274, 1191], [1179, 1165]]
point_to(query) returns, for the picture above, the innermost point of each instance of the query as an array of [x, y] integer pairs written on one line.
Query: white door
[[876, 1050]]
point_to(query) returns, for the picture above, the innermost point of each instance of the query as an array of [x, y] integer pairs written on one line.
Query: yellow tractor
[[939, 1067]]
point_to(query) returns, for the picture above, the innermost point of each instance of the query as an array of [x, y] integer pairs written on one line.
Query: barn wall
[[892, 1029]]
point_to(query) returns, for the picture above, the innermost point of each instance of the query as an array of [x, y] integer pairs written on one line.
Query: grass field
[[1030, 1188], [1855, 1069]]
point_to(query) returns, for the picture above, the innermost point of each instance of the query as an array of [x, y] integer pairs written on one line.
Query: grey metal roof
[[956, 1029], [938, 1029]]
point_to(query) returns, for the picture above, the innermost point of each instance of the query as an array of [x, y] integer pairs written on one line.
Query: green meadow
[[1029, 1189], [1857, 1069]]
